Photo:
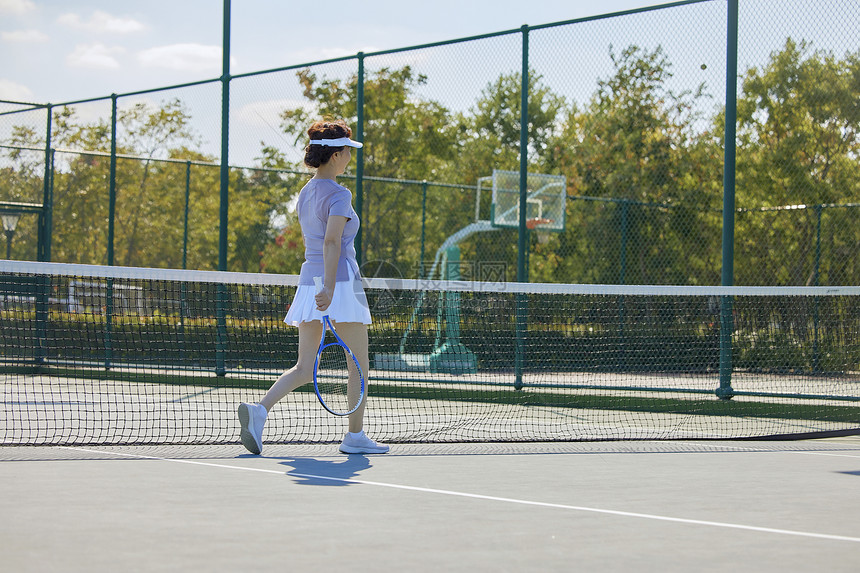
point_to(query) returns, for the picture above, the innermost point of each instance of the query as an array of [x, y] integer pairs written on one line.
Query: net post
[[725, 392]]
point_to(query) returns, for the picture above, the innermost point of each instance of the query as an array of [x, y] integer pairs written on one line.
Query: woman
[[329, 225]]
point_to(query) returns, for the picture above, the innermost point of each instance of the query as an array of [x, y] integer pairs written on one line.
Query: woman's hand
[[323, 299]]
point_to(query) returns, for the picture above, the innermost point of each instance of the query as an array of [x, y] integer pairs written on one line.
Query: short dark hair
[[316, 155]]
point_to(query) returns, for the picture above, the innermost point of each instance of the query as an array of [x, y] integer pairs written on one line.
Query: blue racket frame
[[327, 325]]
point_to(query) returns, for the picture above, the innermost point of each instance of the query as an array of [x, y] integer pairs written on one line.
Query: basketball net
[[538, 224]]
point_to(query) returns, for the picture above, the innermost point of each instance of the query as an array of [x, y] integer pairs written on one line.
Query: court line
[[490, 497]]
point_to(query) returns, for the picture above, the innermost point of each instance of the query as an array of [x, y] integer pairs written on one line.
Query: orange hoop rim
[[537, 222]]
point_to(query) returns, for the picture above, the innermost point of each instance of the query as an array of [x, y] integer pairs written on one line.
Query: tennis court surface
[[592, 506]]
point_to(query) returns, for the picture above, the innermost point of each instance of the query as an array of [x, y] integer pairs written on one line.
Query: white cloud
[[94, 56], [16, 6], [101, 22], [24, 36], [9, 90], [183, 57]]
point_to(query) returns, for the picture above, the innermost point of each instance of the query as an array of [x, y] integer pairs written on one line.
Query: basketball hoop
[[538, 224]]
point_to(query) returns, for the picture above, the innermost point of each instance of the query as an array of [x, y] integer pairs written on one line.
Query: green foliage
[[799, 143], [637, 143], [404, 137], [490, 131]]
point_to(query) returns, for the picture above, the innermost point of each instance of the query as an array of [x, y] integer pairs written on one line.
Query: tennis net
[[113, 355]]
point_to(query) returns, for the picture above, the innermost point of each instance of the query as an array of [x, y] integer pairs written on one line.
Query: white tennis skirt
[[349, 304]]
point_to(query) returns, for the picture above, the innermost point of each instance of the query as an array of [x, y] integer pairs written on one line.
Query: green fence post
[[423, 227], [625, 211], [112, 182], [223, 241], [524, 166], [816, 366], [46, 229], [359, 158], [725, 391], [183, 291], [521, 299], [221, 297], [45, 226], [44, 247], [622, 279], [185, 218], [818, 210], [110, 240]]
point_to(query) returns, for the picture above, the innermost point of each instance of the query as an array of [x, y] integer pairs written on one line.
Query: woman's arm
[[331, 255]]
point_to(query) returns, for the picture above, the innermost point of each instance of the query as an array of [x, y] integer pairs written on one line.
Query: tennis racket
[[332, 369]]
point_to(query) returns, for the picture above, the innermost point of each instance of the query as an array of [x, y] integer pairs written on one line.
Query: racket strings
[[333, 375]]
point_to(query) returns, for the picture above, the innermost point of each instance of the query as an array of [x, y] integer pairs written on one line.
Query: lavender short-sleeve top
[[318, 200]]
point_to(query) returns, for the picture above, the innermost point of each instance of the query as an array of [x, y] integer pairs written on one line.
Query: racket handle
[[318, 282]]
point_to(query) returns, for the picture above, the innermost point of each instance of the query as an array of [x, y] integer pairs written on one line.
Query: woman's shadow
[[311, 471]]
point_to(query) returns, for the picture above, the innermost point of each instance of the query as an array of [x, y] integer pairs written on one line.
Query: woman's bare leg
[[303, 372]]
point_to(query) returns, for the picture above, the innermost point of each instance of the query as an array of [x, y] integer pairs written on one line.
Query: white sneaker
[[361, 444], [252, 417]]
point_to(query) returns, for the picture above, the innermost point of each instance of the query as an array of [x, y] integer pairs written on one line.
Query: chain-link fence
[[629, 108]]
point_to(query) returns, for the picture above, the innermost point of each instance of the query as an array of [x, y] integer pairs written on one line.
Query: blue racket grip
[[318, 282]]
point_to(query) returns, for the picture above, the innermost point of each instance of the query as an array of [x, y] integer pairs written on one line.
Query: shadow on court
[[312, 471]]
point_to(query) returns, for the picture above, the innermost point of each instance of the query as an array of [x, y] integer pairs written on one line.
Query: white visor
[[340, 142]]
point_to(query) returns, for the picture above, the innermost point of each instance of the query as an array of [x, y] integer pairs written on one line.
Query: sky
[[56, 51], [65, 50]]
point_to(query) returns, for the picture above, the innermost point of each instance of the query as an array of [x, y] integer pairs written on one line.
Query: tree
[[261, 217], [21, 179], [150, 198], [799, 144], [635, 142], [492, 126]]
